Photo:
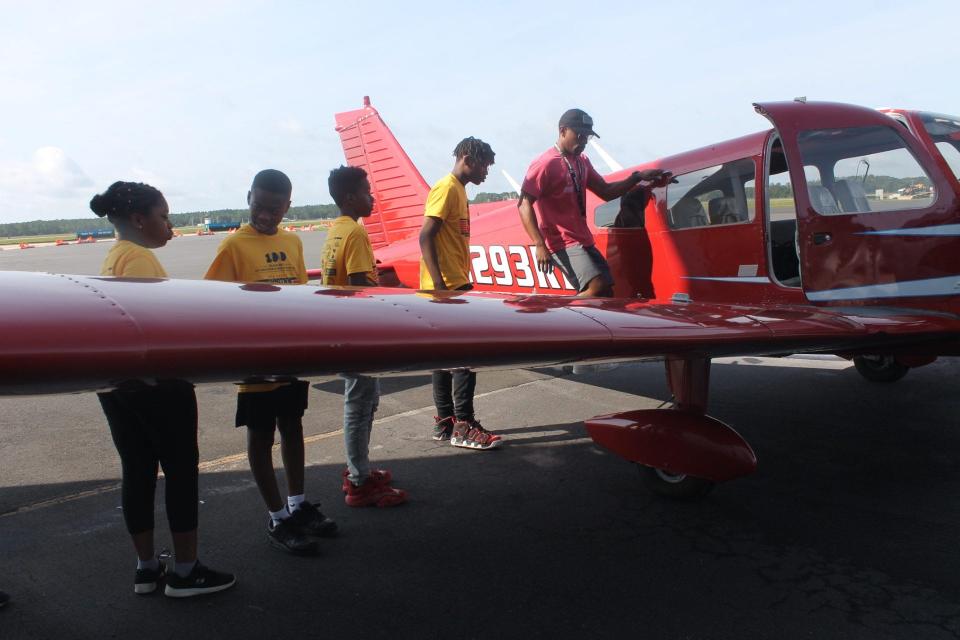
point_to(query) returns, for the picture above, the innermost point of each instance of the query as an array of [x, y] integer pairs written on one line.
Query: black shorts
[[260, 410]]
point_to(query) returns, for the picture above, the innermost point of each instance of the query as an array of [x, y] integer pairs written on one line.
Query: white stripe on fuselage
[[940, 230], [948, 286], [745, 279]]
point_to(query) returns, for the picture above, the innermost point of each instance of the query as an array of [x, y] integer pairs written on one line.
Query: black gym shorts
[[260, 409]]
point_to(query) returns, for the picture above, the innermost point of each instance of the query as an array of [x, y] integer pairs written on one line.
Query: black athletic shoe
[[312, 521], [4, 599], [288, 537], [200, 581], [145, 581]]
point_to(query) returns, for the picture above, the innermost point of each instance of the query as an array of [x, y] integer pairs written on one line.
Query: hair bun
[[98, 204]]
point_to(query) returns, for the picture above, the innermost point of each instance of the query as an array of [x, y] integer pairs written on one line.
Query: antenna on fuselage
[[608, 160], [509, 178]]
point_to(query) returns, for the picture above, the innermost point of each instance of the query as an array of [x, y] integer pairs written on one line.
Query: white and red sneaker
[[442, 427], [470, 434]]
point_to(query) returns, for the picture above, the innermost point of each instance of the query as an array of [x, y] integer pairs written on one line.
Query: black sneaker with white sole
[[287, 536], [312, 521], [200, 581], [145, 581]]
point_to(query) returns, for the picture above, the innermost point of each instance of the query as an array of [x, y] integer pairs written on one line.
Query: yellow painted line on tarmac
[[70, 497], [209, 465], [216, 463]]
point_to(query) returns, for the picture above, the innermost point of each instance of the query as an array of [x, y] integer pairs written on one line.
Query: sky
[[196, 97]]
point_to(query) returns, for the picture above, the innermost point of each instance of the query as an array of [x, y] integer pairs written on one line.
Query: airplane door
[[877, 221]]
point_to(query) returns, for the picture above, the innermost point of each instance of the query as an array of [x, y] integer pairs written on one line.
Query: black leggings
[[453, 393], [151, 425]]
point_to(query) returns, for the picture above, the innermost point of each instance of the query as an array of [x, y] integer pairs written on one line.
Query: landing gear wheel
[[880, 368], [676, 486]]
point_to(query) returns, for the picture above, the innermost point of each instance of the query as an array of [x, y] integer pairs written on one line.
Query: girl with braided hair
[[153, 422]]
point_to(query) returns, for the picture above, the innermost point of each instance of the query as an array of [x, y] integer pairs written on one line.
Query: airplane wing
[[73, 333]]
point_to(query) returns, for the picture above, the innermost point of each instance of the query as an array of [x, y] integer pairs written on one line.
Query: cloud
[[292, 125], [50, 184], [50, 173]]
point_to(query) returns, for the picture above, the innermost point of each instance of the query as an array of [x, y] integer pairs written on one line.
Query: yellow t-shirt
[[251, 256], [448, 201], [347, 250], [130, 260]]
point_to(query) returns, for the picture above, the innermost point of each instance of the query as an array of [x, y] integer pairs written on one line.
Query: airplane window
[[862, 169], [945, 132], [606, 213], [713, 196], [623, 213], [951, 153]]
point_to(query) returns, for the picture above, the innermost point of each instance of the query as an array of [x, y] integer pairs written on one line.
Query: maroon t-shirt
[[559, 213]]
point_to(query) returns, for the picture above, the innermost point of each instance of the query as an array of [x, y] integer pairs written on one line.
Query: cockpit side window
[[862, 169]]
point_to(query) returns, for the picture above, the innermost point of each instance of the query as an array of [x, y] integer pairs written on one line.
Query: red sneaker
[[372, 494], [381, 476], [469, 434]]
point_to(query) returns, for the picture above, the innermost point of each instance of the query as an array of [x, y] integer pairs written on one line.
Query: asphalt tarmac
[[847, 530]]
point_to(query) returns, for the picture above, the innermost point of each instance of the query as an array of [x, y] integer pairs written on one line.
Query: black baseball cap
[[578, 120]]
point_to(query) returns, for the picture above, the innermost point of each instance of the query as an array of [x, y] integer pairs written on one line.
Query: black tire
[[677, 487], [880, 368]]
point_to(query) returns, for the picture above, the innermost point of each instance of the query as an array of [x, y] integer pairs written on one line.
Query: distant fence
[[223, 226], [95, 233]]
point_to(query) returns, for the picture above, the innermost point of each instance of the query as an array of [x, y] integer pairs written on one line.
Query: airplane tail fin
[[398, 188]]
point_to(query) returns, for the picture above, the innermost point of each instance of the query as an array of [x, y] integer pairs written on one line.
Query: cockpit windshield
[[945, 132]]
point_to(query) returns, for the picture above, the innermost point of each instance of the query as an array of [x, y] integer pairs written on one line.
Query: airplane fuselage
[[730, 230]]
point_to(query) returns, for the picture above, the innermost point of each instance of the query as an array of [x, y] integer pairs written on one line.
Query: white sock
[[282, 514], [183, 569], [152, 564], [293, 502]]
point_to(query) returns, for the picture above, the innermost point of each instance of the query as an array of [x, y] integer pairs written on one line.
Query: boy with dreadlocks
[[445, 245]]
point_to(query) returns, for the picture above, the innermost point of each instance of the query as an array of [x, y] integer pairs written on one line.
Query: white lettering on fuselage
[[512, 265]]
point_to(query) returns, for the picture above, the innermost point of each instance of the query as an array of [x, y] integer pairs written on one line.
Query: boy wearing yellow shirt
[[445, 246], [347, 259], [262, 252]]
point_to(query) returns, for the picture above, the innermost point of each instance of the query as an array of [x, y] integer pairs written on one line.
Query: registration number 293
[[512, 266]]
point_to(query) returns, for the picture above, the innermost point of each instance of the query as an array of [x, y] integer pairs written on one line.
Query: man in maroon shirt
[[553, 206]]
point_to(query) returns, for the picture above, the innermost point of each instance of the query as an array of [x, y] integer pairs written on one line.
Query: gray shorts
[[581, 265]]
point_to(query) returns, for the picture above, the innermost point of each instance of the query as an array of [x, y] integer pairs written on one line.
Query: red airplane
[[768, 244]]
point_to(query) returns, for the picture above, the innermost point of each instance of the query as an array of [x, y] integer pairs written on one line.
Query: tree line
[[889, 184], [73, 226]]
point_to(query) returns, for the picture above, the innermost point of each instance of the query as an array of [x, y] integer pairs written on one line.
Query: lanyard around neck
[[576, 178]]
